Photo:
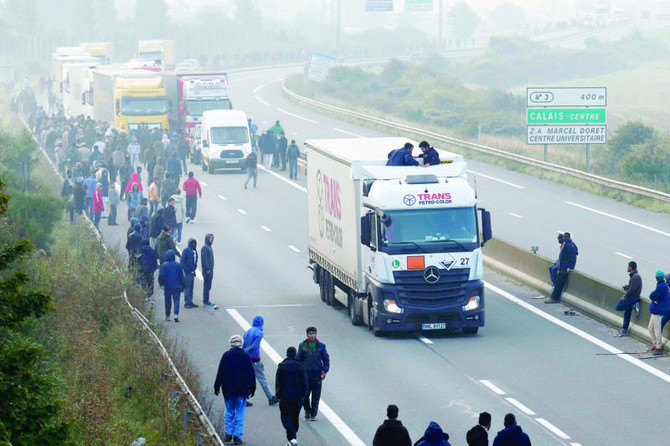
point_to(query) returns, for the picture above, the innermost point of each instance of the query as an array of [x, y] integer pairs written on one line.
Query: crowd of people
[[275, 149]]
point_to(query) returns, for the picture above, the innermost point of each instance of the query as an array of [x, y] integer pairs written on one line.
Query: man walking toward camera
[[291, 389], [313, 355], [631, 299]]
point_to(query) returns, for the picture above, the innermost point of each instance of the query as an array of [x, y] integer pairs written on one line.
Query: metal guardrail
[[603, 181]]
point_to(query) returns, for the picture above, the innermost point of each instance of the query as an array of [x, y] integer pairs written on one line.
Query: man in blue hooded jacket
[[252, 345], [660, 304], [189, 262], [434, 436], [512, 435], [171, 277]]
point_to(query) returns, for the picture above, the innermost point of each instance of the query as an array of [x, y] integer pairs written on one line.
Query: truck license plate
[[434, 326], [231, 162]]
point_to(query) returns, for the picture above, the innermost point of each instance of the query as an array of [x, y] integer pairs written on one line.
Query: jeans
[[293, 169], [189, 279], [552, 273], [153, 207], [147, 282], [96, 217], [314, 390], [176, 232], [282, 157], [268, 160], [259, 370], [561, 282], [170, 297], [111, 220], [88, 205], [131, 213], [252, 173], [290, 417], [234, 417], [191, 206], [206, 286], [627, 307]]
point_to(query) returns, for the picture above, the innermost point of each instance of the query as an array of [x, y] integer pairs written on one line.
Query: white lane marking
[[275, 306], [298, 116], [592, 339], [258, 98], [242, 211], [327, 412], [266, 229], [495, 179], [293, 248], [556, 431], [575, 444], [623, 255], [522, 407], [347, 132], [198, 274], [515, 215], [221, 197], [616, 217], [285, 180], [424, 339], [203, 183], [492, 386]]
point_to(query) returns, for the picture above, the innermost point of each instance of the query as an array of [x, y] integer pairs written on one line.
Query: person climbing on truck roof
[[402, 156]]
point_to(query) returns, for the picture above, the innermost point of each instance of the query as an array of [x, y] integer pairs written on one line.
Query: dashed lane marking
[[327, 412], [242, 211], [424, 339], [346, 132], [492, 386], [550, 427], [495, 179], [266, 229], [297, 116], [293, 248], [285, 180], [203, 183], [515, 215], [522, 407], [221, 197], [258, 98], [623, 255], [616, 217]]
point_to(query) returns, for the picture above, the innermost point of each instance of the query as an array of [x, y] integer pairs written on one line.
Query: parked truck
[[103, 51], [159, 53], [73, 87], [190, 93], [400, 247], [128, 98]]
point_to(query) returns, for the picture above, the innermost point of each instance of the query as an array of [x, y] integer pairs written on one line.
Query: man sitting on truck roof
[[402, 156], [429, 155]]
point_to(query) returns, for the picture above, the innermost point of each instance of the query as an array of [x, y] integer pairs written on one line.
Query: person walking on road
[[189, 262], [392, 432], [282, 144], [98, 205], [512, 434], [134, 150], [291, 389], [236, 378], [91, 185], [154, 197], [174, 167], [276, 129], [133, 245], [147, 265], [252, 345], [193, 191], [180, 214], [479, 435], [631, 299], [251, 164], [434, 436], [567, 259], [313, 355], [660, 304], [207, 265], [171, 277], [133, 200], [293, 155], [113, 201]]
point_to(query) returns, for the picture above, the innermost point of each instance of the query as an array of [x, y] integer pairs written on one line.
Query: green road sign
[[566, 115]]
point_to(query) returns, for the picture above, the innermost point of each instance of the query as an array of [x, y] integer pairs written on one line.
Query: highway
[[551, 370]]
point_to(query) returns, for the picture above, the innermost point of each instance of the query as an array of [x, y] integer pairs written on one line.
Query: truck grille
[[231, 154], [412, 286]]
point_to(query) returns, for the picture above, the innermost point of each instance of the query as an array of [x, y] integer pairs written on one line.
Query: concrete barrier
[[588, 294]]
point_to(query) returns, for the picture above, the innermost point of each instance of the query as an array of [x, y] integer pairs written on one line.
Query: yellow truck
[[129, 99], [157, 53]]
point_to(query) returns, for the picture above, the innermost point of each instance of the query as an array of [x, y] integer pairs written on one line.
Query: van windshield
[[229, 135]]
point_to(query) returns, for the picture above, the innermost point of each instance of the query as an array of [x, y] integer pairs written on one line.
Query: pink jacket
[[191, 186], [133, 179], [98, 204]]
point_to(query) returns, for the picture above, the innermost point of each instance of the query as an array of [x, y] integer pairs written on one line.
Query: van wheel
[[354, 316]]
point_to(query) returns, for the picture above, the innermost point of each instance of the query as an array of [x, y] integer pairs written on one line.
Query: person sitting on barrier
[[567, 259], [631, 300], [660, 304]]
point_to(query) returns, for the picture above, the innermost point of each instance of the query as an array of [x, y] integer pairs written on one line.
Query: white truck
[[400, 247]]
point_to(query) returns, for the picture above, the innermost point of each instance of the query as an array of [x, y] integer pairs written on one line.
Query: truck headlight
[[392, 307], [472, 304]]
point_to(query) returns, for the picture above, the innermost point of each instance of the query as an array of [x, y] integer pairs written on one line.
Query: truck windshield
[[150, 55], [195, 108], [452, 229], [134, 106], [229, 135]]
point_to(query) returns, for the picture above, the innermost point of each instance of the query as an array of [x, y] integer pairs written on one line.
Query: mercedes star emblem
[[431, 274]]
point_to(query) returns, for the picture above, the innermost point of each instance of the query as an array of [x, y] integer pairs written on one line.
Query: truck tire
[[354, 315], [330, 288], [371, 320], [471, 330], [322, 288]]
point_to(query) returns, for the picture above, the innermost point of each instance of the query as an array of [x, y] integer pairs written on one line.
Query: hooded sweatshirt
[[290, 381], [512, 435], [207, 256], [392, 433], [189, 257], [134, 178], [253, 338], [148, 259], [434, 436], [165, 243], [171, 275], [660, 299], [179, 207]]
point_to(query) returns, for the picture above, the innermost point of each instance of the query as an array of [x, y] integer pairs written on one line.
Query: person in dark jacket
[[434, 436], [168, 187], [174, 167], [282, 145], [236, 378], [429, 155], [402, 156], [156, 223], [148, 264], [252, 168], [567, 259], [133, 245], [207, 265], [170, 214], [189, 262], [252, 344], [291, 389], [314, 357], [660, 304], [293, 155], [512, 435], [631, 299], [392, 432], [79, 195], [479, 435], [165, 242], [171, 276]]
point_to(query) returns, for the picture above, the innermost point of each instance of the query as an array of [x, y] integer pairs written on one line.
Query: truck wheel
[[371, 317], [354, 316], [322, 287], [471, 330], [330, 289]]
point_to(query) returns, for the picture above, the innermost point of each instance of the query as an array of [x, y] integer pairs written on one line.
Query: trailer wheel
[[330, 288], [354, 315], [322, 287], [471, 330]]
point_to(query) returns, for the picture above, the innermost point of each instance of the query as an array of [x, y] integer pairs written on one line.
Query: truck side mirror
[[487, 232], [365, 230]]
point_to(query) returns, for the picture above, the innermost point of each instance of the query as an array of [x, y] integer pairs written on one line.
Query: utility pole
[[439, 25], [337, 23]]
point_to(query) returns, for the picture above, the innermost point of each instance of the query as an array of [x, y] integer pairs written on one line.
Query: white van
[[225, 139]]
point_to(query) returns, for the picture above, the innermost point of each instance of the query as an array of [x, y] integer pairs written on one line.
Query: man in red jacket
[[192, 188]]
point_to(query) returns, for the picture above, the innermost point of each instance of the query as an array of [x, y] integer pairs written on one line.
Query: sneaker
[[308, 415], [194, 305], [208, 304], [549, 300], [237, 440], [293, 442], [167, 319], [176, 318], [622, 333], [636, 308], [249, 404], [228, 439], [312, 417], [658, 352], [652, 349], [188, 220], [188, 306], [272, 401]]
